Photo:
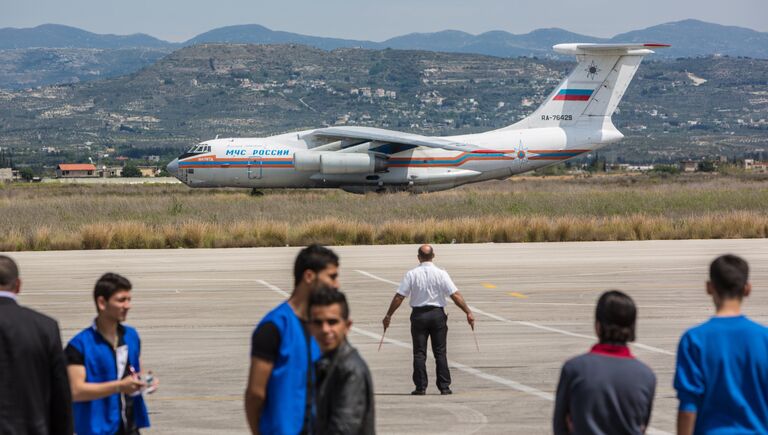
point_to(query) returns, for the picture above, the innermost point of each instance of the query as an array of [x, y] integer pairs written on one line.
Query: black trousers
[[430, 322]]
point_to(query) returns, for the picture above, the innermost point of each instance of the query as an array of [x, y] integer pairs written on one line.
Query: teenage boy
[[104, 366], [721, 376], [606, 391], [279, 397], [345, 389]]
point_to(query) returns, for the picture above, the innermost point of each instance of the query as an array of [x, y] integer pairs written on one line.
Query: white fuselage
[[574, 119], [269, 162]]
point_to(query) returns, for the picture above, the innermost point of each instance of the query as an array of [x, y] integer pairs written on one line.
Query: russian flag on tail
[[573, 95]]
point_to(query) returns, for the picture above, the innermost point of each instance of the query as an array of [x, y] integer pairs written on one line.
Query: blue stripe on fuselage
[[253, 162]]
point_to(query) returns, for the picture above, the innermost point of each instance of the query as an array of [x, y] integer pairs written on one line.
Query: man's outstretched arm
[[393, 306], [458, 299]]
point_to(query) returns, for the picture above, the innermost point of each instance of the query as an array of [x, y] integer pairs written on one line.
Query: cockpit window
[[199, 149]]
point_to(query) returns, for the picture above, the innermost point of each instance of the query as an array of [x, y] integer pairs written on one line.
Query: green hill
[[673, 109]]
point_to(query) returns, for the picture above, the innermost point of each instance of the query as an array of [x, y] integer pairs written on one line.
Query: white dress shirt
[[427, 284], [6, 294]]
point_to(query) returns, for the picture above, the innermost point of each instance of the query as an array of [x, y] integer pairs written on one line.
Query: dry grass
[[136, 235], [531, 210]]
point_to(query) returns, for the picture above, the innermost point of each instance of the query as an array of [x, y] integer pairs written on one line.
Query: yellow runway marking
[[488, 285], [518, 295]]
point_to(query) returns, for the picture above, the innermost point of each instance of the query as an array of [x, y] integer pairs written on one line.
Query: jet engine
[[338, 163]]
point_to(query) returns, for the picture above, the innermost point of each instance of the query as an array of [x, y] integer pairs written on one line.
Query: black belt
[[426, 308]]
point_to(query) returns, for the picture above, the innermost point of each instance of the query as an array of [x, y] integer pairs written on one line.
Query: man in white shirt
[[427, 285]]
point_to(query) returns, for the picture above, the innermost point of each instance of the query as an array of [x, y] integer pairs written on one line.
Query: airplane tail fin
[[593, 89]]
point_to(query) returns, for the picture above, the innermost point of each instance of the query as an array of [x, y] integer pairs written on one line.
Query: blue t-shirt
[[722, 376]]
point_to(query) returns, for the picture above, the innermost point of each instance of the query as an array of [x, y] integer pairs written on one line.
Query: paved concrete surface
[[195, 310]]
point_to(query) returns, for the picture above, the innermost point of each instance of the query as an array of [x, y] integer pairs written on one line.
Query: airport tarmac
[[534, 305]]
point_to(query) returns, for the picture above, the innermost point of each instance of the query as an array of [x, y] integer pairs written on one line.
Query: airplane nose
[[173, 167]]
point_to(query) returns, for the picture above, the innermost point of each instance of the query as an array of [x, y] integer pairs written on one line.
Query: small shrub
[[195, 234], [393, 233], [40, 240], [13, 241], [96, 236]]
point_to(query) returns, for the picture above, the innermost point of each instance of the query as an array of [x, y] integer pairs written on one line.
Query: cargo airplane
[[575, 119]]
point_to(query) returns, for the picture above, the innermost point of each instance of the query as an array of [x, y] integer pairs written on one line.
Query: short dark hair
[[109, 284], [616, 314], [315, 258], [428, 253], [9, 271], [729, 275], [324, 296]]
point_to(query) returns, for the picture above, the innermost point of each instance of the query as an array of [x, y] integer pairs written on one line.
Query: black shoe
[[446, 392], [418, 392]]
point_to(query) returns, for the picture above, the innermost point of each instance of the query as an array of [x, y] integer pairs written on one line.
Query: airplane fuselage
[[575, 119], [271, 163]]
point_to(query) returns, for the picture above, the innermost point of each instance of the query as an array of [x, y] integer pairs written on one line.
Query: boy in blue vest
[[279, 397], [722, 365], [104, 366]]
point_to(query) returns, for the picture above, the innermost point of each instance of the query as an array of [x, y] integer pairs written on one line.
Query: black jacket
[[345, 394], [34, 390]]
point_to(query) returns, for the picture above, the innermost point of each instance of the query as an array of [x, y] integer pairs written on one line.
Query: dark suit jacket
[[34, 390], [345, 394]]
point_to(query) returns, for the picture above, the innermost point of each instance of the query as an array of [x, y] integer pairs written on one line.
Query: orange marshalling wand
[[382, 339], [473, 335]]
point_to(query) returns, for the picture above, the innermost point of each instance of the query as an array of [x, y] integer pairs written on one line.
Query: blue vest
[[285, 405], [102, 416]]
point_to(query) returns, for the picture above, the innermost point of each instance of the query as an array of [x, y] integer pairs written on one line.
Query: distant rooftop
[[76, 167]]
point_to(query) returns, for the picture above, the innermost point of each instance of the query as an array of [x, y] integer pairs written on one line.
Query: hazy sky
[[179, 20]]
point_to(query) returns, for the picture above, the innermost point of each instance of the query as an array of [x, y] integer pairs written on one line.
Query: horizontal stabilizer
[[606, 49]]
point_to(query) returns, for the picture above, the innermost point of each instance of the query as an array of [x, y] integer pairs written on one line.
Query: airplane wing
[[355, 135]]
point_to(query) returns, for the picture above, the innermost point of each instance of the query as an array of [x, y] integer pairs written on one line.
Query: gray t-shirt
[[606, 391]]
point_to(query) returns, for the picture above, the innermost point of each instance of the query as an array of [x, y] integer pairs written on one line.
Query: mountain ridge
[[58, 54], [689, 38], [675, 109], [61, 36]]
